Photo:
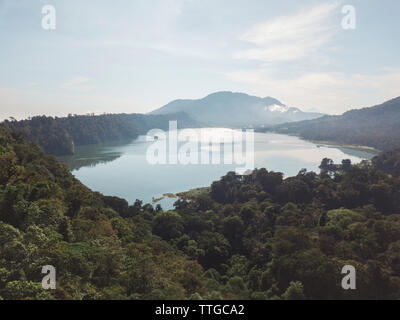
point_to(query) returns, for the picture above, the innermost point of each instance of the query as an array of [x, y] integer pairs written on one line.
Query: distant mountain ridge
[[377, 127], [227, 108]]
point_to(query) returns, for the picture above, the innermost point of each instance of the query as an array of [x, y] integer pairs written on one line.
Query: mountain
[[59, 136], [236, 109], [377, 127]]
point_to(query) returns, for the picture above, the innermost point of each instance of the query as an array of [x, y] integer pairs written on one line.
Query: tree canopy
[[258, 236]]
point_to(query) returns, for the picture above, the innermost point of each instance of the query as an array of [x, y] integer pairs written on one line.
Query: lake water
[[122, 168]]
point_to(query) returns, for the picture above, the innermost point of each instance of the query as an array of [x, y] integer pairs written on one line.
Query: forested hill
[[47, 217], [58, 136], [253, 237], [377, 127]]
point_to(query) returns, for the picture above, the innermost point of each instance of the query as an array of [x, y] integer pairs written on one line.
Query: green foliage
[[257, 236], [388, 162], [294, 291], [99, 249], [28, 290], [168, 225], [290, 238]]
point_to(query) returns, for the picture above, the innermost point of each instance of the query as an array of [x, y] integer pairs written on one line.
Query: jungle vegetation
[[258, 236]]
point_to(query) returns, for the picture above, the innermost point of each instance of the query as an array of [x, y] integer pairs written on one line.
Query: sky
[[134, 56]]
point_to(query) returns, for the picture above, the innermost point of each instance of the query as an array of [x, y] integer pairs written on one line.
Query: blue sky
[[137, 55]]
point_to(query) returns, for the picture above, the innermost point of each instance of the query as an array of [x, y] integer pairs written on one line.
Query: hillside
[[59, 136], [47, 217], [253, 237], [377, 127], [236, 109]]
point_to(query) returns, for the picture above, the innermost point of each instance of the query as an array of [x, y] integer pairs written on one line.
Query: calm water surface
[[121, 168]]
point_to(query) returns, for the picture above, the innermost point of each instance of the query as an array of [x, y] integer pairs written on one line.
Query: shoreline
[[342, 145], [328, 143]]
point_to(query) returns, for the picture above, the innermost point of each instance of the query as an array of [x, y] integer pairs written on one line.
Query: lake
[[122, 168]]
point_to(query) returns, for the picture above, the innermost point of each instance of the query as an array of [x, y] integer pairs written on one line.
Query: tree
[[327, 165], [294, 291], [322, 219], [216, 249], [168, 225], [346, 164], [237, 287], [247, 214], [233, 228], [16, 290]]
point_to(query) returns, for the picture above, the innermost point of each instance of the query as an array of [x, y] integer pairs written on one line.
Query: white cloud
[[77, 84], [291, 37], [329, 92], [74, 81]]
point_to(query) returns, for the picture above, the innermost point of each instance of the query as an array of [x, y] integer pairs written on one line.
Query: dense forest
[[377, 127], [59, 136], [388, 162], [258, 236]]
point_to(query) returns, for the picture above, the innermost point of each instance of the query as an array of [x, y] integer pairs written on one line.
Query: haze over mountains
[[377, 127], [58, 136], [236, 110]]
